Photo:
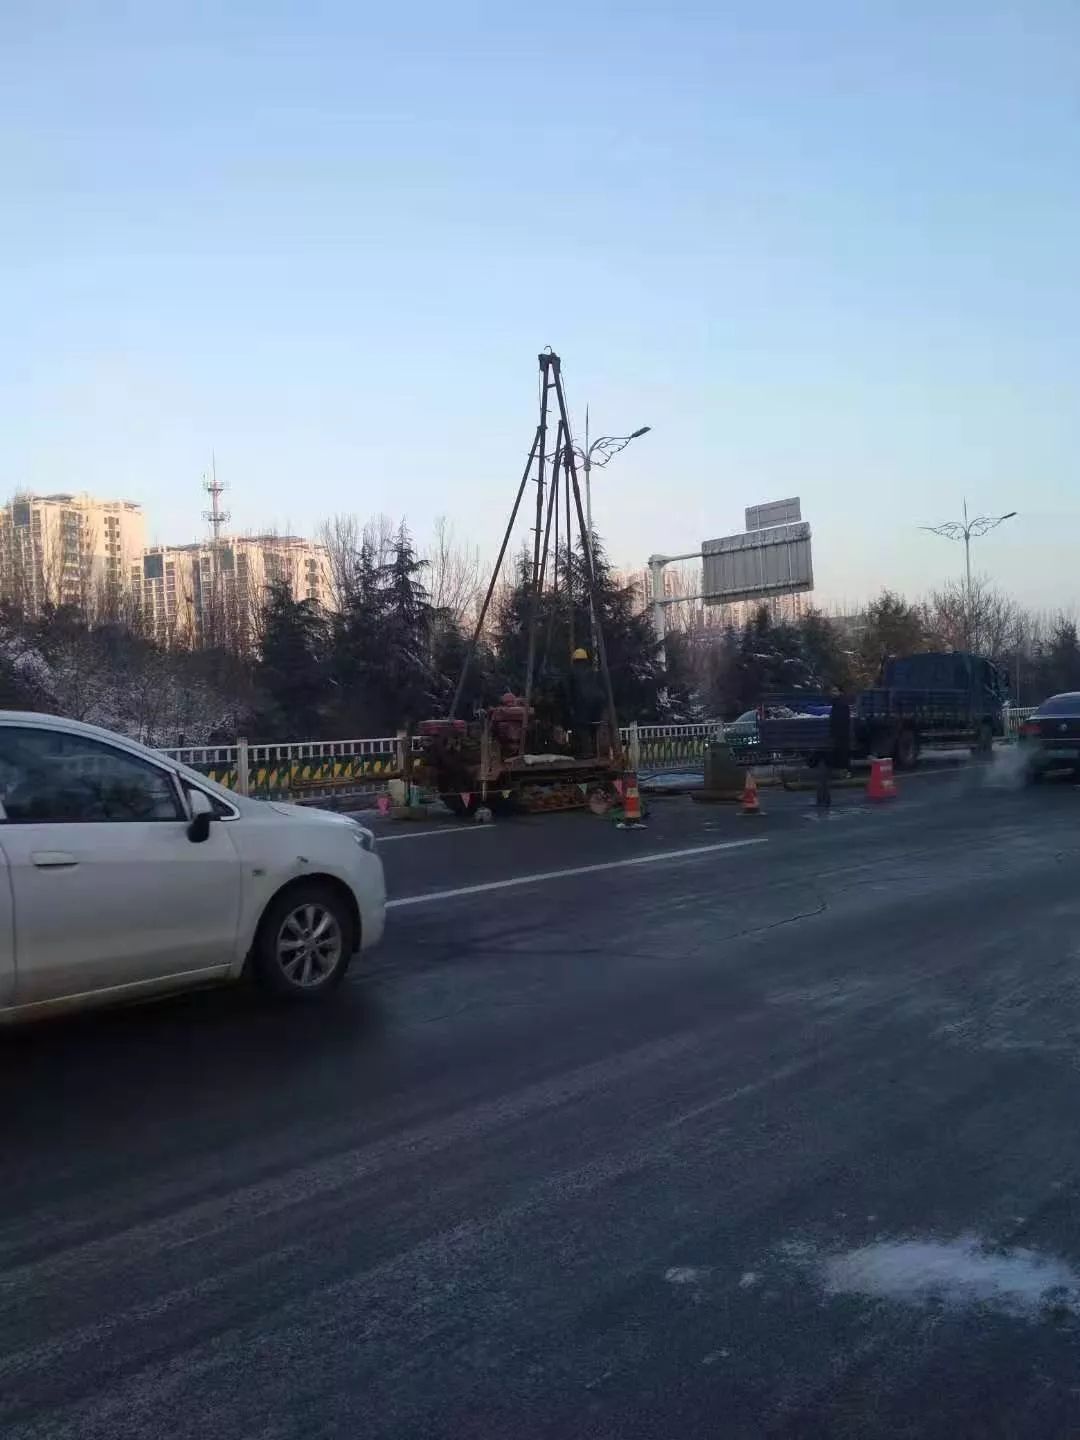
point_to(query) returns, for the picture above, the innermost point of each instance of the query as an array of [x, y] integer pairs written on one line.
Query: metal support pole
[[969, 635], [568, 569], [401, 755], [471, 651], [586, 465], [548, 363], [551, 538], [613, 719], [656, 585], [243, 773]]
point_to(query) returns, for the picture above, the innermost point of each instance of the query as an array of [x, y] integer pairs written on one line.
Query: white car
[[124, 873]]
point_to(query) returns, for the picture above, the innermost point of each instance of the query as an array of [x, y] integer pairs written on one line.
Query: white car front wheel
[[304, 943]]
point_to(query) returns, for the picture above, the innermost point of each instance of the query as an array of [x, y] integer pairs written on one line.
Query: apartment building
[[68, 549], [162, 587], [215, 593]]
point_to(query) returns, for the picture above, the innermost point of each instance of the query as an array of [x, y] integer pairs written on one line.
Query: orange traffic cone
[[751, 805], [881, 785], [631, 799]]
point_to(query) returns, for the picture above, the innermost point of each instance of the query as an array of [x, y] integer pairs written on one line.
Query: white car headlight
[[363, 837]]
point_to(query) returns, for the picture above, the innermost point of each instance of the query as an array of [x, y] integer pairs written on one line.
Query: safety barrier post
[[634, 746], [242, 772], [401, 757]]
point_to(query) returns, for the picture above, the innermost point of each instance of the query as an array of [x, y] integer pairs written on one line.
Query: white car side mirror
[[202, 812]]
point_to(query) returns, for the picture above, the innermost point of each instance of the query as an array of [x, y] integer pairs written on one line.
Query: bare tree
[[380, 536], [974, 617], [453, 574], [683, 585], [341, 537]]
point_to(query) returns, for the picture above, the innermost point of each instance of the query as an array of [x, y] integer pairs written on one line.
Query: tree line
[[390, 650], [1038, 653], [385, 655], [390, 655]]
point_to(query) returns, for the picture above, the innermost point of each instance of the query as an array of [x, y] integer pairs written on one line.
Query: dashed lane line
[[657, 857]]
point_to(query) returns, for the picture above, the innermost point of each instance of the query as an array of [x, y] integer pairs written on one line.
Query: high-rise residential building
[[215, 592], [234, 577], [68, 549], [162, 585]]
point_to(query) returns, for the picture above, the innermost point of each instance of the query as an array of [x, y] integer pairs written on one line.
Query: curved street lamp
[[966, 530], [600, 453]]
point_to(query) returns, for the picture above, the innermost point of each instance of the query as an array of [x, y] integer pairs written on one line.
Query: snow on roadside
[[957, 1273]]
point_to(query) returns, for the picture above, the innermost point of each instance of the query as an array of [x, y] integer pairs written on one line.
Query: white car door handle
[[45, 859]]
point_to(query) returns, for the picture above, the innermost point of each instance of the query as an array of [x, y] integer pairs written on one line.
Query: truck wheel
[[984, 745], [907, 750]]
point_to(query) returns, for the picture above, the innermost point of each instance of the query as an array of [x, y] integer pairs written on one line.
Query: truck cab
[[934, 698]]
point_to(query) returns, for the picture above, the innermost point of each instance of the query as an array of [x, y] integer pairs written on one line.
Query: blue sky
[[826, 250]]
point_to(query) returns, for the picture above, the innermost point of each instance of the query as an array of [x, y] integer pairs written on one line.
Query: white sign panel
[[776, 512], [758, 564]]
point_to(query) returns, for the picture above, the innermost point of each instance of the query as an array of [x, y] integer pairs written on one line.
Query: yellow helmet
[[580, 654]]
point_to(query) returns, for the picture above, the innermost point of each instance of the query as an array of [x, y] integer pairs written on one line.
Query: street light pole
[[964, 530], [599, 452], [587, 463]]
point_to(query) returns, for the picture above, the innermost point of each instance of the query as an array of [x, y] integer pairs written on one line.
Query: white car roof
[[38, 720]]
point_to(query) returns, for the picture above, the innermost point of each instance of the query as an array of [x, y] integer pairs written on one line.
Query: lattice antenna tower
[[215, 517]]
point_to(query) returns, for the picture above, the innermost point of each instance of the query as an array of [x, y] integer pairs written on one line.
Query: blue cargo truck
[[939, 700]]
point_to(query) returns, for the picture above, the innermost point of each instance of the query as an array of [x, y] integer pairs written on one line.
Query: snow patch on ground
[[954, 1273], [685, 1274]]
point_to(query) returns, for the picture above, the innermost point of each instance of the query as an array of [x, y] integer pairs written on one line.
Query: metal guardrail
[[653, 748], [299, 767], [355, 766], [308, 767], [1014, 716]]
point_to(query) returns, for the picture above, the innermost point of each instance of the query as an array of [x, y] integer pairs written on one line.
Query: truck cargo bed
[[796, 735]]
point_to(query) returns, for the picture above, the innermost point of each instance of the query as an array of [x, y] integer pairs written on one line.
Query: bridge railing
[[299, 767], [1015, 715], [309, 767], [669, 747]]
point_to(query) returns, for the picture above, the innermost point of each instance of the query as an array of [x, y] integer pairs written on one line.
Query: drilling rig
[[518, 755]]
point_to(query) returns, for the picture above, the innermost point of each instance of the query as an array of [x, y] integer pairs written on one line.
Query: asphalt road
[[773, 1140]]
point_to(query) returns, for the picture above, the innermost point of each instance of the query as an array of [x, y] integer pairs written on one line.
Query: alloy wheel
[[309, 945]]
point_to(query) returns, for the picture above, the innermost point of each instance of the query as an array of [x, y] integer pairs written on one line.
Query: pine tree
[[382, 667], [292, 669], [564, 622]]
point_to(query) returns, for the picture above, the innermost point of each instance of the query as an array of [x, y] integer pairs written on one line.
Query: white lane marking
[[422, 834], [656, 858]]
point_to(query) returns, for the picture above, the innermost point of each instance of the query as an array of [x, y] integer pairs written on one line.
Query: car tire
[[304, 943]]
